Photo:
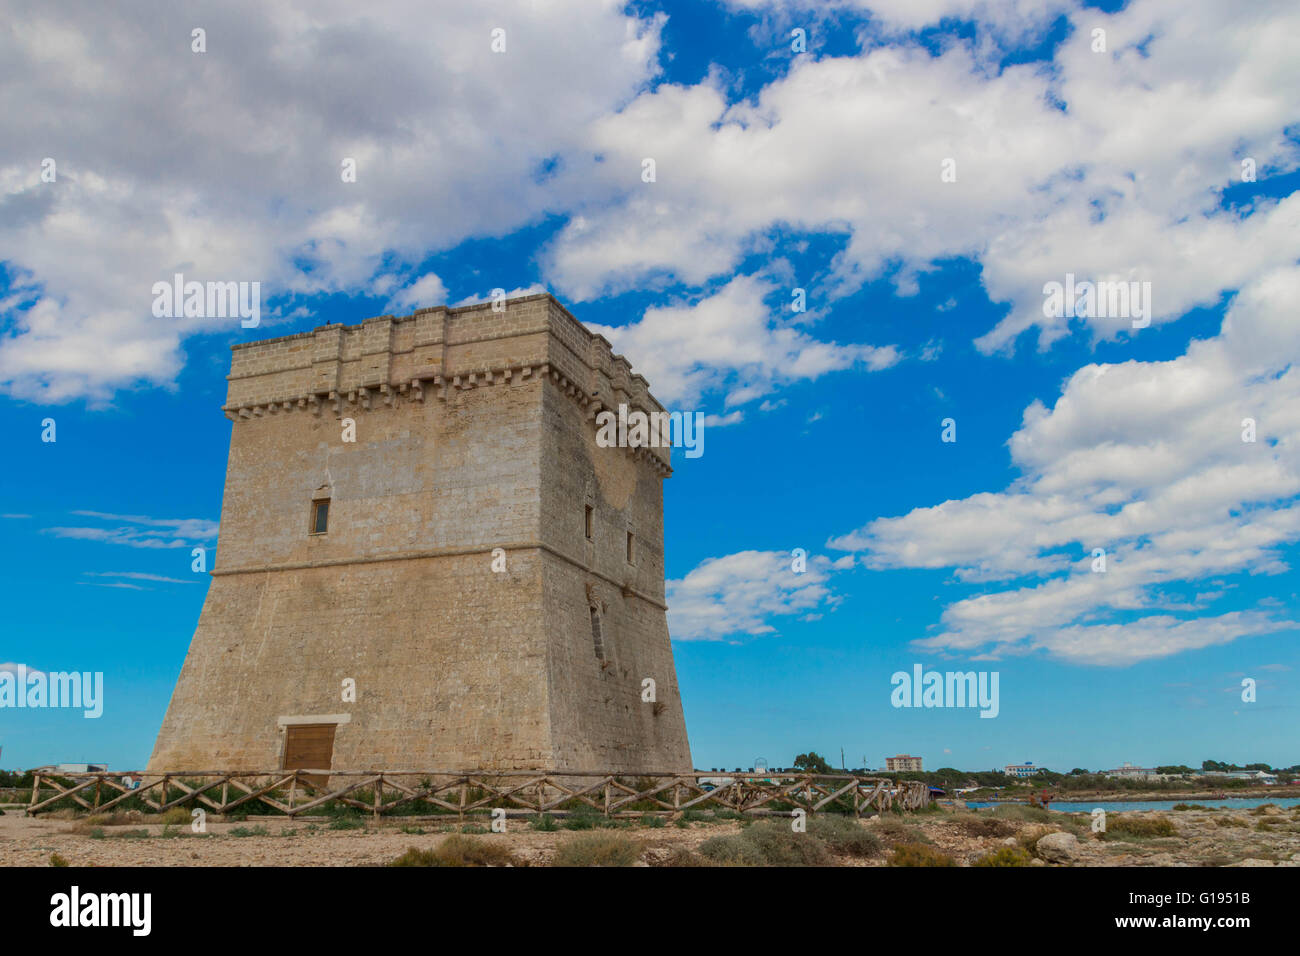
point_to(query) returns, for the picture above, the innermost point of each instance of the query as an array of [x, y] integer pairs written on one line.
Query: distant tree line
[[1079, 778]]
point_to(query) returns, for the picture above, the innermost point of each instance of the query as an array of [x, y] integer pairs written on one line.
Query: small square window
[[586, 523], [629, 548], [320, 516]]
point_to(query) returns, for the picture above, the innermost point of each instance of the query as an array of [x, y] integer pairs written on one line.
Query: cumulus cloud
[[226, 165], [1111, 165], [738, 593], [1145, 460], [732, 341]]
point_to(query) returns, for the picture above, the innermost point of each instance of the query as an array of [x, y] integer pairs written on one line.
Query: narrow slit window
[[320, 516], [596, 639], [629, 548], [586, 523]]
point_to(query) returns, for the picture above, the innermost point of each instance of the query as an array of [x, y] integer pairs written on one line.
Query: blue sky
[[774, 171]]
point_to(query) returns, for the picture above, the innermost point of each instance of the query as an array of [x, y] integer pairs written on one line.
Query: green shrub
[[598, 849], [918, 854], [1140, 827], [767, 844], [250, 831], [844, 835], [585, 817], [347, 823], [457, 850], [176, 815], [732, 850], [1005, 856], [56, 860], [545, 822], [653, 821], [1184, 806]]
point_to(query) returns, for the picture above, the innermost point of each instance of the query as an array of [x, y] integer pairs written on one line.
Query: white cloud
[[1146, 461], [731, 341], [1124, 182], [423, 293], [738, 593], [137, 576], [139, 531], [226, 165]]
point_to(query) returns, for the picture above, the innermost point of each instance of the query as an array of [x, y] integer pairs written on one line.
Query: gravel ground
[[1203, 838]]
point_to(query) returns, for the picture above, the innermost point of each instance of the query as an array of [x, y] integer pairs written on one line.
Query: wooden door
[[309, 747]]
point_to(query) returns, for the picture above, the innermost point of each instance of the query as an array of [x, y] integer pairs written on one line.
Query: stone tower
[[487, 578]]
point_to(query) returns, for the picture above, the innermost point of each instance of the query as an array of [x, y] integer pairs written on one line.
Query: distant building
[[73, 768], [1026, 769], [903, 763], [1259, 776], [1130, 772]]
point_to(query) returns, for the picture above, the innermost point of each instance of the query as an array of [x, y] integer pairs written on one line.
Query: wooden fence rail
[[407, 792]]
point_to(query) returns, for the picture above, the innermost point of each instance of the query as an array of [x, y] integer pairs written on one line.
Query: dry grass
[[918, 854], [598, 848], [1005, 856], [457, 850]]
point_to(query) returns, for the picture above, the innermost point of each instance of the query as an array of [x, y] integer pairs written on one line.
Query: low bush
[[844, 835], [1005, 856], [918, 854], [1140, 827], [457, 850], [597, 849], [584, 817], [767, 844], [250, 831]]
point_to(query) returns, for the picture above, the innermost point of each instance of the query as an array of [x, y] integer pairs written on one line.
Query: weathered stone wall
[[598, 717], [473, 431]]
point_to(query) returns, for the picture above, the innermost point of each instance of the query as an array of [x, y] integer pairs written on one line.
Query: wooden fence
[[409, 792]]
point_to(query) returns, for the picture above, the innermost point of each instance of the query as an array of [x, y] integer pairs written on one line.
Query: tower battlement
[[431, 353]]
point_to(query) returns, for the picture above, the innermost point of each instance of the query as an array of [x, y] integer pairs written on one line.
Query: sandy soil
[[1203, 838]]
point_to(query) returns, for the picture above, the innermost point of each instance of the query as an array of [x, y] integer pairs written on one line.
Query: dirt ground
[[1209, 837]]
